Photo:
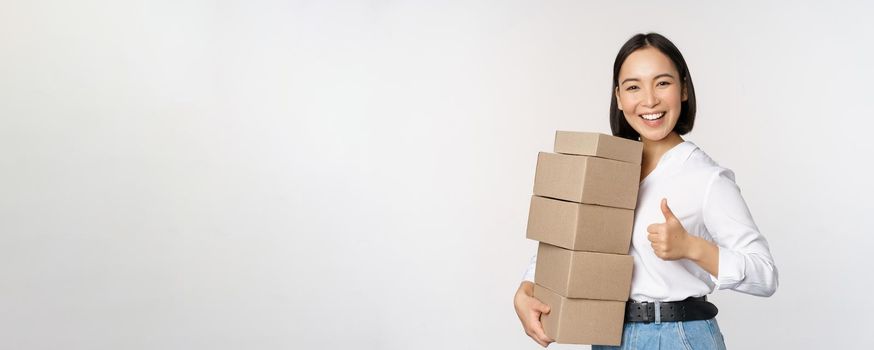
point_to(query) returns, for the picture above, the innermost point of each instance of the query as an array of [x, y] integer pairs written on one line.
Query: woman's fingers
[[530, 309], [536, 327], [538, 334], [540, 306]]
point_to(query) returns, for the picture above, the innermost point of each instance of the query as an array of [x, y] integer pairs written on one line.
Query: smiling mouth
[[653, 116]]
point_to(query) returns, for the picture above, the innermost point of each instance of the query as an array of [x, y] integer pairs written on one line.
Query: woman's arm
[[738, 258], [744, 257], [705, 254], [529, 309], [670, 241]]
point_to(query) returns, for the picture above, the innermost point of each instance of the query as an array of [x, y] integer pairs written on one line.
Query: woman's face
[[650, 93]]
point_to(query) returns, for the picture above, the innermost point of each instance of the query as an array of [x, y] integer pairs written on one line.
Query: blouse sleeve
[[745, 262], [529, 273]]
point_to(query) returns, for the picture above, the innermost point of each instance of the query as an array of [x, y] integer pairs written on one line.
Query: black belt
[[691, 309]]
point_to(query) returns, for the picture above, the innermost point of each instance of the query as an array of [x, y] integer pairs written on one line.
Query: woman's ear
[[685, 93], [618, 102]]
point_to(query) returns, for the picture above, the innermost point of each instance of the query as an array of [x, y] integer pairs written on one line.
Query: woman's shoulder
[[700, 164]]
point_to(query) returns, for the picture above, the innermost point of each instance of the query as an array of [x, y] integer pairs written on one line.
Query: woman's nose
[[650, 99]]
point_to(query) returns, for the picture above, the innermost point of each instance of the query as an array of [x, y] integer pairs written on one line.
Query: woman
[[693, 232]]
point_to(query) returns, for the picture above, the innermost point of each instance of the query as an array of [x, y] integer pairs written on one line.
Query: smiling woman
[[705, 240], [651, 59]]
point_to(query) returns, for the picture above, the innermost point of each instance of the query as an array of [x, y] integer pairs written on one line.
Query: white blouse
[[708, 202]]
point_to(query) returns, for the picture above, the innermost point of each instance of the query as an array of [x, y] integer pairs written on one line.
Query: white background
[[335, 175]]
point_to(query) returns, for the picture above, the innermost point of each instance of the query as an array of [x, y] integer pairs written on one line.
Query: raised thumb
[[666, 211]]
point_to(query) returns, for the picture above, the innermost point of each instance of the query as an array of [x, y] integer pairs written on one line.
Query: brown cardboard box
[[586, 275], [581, 321], [587, 180], [576, 226], [598, 145]]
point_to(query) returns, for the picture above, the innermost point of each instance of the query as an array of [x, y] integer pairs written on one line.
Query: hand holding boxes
[[582, 212]]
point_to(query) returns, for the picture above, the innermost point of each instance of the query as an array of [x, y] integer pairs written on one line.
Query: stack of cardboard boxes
[[582, 213]]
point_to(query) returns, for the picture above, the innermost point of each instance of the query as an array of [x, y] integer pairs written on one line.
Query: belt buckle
[[656, 315], [646, 316]]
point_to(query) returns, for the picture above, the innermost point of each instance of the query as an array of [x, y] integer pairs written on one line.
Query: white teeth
[[653, 116]]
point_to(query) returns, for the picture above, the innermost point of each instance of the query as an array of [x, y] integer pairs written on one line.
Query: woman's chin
[[653, 135]]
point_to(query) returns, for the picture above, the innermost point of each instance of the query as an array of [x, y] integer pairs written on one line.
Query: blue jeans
[[688, 335]]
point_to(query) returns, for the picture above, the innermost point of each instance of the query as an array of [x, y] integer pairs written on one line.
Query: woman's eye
[[631, 88], [664, 83]]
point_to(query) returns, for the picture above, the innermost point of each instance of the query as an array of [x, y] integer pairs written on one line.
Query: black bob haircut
[[618, 123]]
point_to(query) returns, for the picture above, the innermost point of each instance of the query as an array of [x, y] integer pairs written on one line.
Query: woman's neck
[[654, 150]]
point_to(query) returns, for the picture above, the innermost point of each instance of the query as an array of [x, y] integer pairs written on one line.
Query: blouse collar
[[675, 156]]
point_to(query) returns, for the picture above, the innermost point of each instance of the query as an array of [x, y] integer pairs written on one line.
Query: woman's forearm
[[705, 254]]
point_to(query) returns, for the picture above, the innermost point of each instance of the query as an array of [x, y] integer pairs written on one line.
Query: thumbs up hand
[[670, 241]]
